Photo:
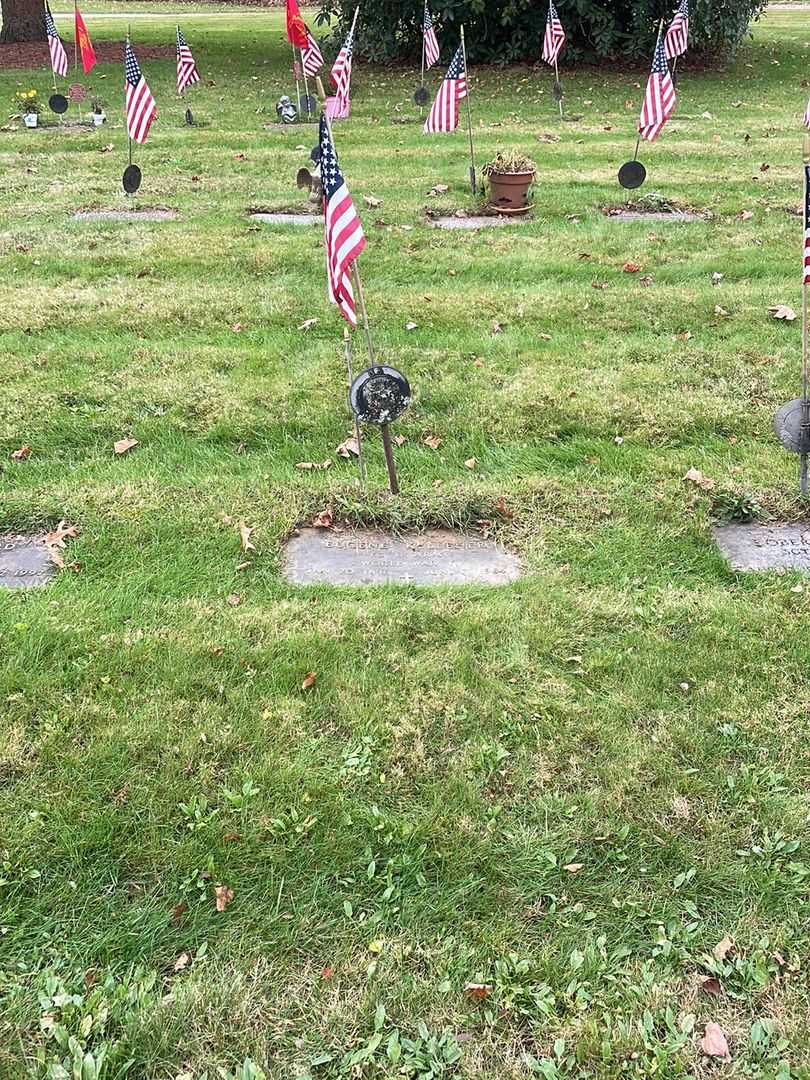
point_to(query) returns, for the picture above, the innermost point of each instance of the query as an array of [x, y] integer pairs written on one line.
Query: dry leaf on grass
[[573, 867], [631, 267], [372, 201], [714, 1042], [307, 323], [710, 985], [438, 189], [782, 311], [315, 464], [478, 991], [723, 948], [123, 445], [224, 895], [245, 532], [411, 325], [433, 441], [324, 520], [178, 911], [309, 680], [470, 463], [182, 962], [696, 477], [22, 454], [348, 447], [56, 538], [234, 599]]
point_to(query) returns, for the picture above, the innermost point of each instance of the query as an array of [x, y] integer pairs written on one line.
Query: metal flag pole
[[297, 81], [176, 39], [805, 423], [473, 185], [129, 42], [347, 347], [76, 38], [422, 81], [306, 85], [559, 85]]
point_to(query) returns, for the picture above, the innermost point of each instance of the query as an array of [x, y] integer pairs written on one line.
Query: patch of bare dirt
[[35, 55]]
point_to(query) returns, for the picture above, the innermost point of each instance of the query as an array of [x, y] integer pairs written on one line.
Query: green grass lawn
[[569, 790]]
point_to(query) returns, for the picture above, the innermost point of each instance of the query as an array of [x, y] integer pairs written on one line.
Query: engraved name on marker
[[24, 562]]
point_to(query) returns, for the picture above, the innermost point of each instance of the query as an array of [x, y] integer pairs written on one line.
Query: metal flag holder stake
[[358, 437], [792, 421], [557, 90], [473, 184], [421, 95], [76, 91], [131, 180], [380, 394]]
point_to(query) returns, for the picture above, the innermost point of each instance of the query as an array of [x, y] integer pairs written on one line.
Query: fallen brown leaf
[[714, 1042], [433, 441], [696, 477], [573, 867], [782, 311], [631, 267], [372, 201], [324, 520], [245, 532], [223, 895], [56, 538], [307, 323], [710, 985], [234, 599], [470, 463], [178, 911], [22, 454], [123, 445], [309, 680], [348, 447], [723, 948], [478, 991], [182, 962]]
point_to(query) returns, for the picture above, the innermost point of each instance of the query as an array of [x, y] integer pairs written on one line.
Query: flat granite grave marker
[[765, 547], [157, 214], [369, 557], [24, 562], [285, 218]]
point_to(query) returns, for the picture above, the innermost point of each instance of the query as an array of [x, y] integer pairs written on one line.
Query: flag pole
[[422, 83], [347, 348], [559, 84], [473, 185], [658, 38], [176, 39], [129, 42], [297, 81], [76, 38], [805, 425], [306, 84]]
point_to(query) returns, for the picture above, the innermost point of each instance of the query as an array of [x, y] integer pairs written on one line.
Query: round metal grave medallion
[[309, 106], [189, 118], [421, 97], [379, 395], [58, 104], [131, 179], [76, 92], [632, 175], [788, 427], [557, 90]]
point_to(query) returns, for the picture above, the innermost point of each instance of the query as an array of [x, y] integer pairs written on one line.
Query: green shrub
[[508, 31]]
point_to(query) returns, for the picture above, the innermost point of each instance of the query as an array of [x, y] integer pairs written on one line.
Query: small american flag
[[443, 114], [806, 278], [187, 73], [59, 60], [807, 116], [313, 59], [140, 105], [555, 36], [342, 69], [659, 98], [678, 33], [344, 233], [431, 41]]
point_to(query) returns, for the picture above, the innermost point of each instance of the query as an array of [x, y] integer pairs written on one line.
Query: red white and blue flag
[[187, 73], [312, 56], [677, 36], [344, 233], [806, 277], [59, 60], [431, 41], [554, 37], [659, 98], [140, 105], [342, 69], [443, 114]]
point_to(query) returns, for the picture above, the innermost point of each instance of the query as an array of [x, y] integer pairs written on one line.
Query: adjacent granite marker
[[24, 562], [765, 547]]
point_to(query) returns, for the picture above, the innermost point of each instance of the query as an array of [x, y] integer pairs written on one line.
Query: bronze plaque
[[24, 562], [368, 557]]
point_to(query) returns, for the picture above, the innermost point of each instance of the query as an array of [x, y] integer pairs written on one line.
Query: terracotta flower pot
[[509, 191]]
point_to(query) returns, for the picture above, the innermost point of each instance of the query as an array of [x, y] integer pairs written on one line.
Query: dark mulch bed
[[35, 54]]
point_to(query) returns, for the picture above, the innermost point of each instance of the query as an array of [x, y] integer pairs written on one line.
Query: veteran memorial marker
[[765, 547], [24, 562]]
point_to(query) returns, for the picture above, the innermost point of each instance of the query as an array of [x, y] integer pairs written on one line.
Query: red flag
[[83, 41], [296, 29]]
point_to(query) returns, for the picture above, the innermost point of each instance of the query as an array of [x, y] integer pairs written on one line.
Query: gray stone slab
[[369, 557], [483, 221], [125, 215], [765, 547], [24, 562], [656, 215], [286, 219]]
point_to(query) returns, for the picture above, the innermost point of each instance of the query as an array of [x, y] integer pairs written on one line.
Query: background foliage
[[505, 31]]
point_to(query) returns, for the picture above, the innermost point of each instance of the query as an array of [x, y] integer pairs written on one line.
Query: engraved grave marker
[[24, 562], [765, 547]]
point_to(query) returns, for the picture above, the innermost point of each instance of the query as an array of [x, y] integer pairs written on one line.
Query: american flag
[[807, 225], [555, 36], [678, 33], [59, 60], [443, 114], [140, 105], [187, 73], [659, 98], [342, 68], [313, 60], [431, 41], [344, 233]]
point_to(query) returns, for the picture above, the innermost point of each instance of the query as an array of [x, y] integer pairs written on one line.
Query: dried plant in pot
[[510, 176]]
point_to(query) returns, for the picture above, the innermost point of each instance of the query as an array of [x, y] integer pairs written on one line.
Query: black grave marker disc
[[304, 179], [315, 153], [557, 90], [131, 179], [309, 106], [379, 395], [58, 103], [788, 427], [632, 175], [189, 118], [421, 96]]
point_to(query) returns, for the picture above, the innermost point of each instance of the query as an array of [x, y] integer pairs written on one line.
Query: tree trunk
[[23, 20]]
